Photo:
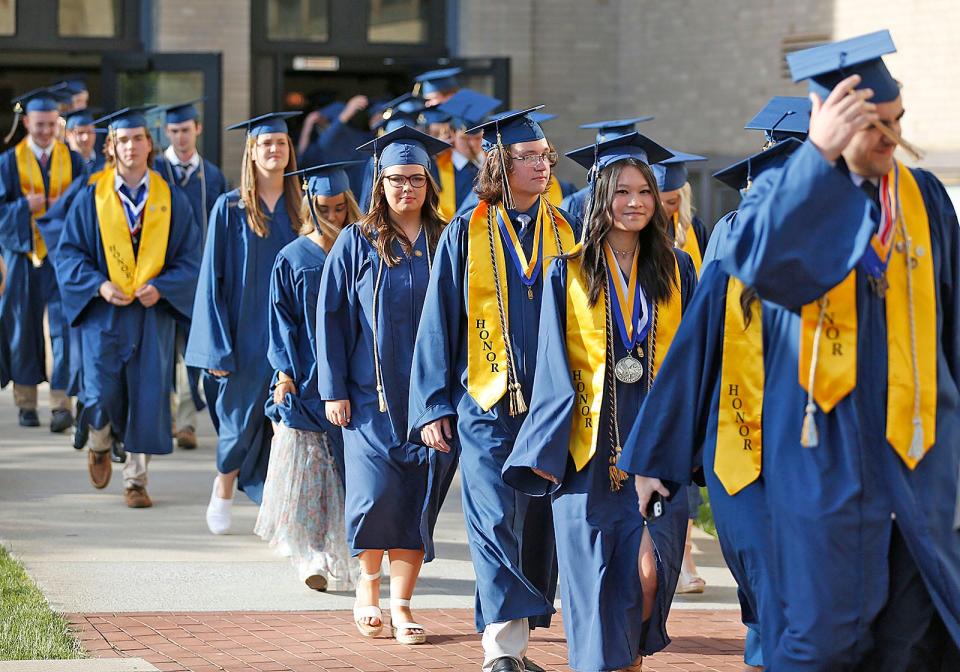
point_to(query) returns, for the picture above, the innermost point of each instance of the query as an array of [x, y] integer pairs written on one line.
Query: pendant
[[628, 370], [530, 293], [879, 285]]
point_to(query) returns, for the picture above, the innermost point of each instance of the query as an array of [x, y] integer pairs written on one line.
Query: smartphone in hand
[[655, 507]]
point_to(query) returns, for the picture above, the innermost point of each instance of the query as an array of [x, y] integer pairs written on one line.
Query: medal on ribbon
[[529, 270], [877, 256], [629, 308]]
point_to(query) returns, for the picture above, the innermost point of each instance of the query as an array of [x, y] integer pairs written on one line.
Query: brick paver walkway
[[319, 641]]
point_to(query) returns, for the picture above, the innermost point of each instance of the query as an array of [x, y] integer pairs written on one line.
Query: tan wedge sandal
[[400, 629], [371, 611]]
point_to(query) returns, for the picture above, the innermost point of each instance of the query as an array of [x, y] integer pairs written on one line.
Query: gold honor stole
[[126, 270], [690, 244], [448, 185], [486, 348], [554, 192], [911, 303], [31, 182], [739, 451], [586, 334]]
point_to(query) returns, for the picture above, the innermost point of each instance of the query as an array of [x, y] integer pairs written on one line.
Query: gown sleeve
[[78, 254], [544, 438], [177, 282], [800, 230], [337, 316], [16, 234], [210, 344], [667, 436], [434, 373], [283, 320]]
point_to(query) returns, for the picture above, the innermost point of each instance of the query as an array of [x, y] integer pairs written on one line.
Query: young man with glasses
[[472, 372]]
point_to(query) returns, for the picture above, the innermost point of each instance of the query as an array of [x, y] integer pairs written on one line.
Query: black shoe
[[61, 420], [29, 418], [530, 666], [81, 432], [117, 453], [506, 664]]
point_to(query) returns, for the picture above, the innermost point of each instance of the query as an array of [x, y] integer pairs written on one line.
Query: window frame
[[37, 29]]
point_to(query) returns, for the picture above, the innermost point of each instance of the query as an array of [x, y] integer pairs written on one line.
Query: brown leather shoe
[[187, 438], [100, 468], [137, 498]]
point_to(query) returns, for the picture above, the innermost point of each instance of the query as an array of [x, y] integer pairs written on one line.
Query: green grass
[[29, 629], [705, 515]]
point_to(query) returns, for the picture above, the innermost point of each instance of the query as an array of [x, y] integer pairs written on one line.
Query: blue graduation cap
[[127, 117], [672, 173], [81, 117], [75, 86], [44, 99], [406, 103], [272, 122], [332, 110], [597, 156], [433, 115], [436, 81], [783, 117], [511, 128], [825, 66], [377, 106], [741, 174], [403, 146], [328, 179], [607, 130], [180, 112], [467, 108]]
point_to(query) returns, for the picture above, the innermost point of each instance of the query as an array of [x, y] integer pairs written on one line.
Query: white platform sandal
[[371, 611], [398, 626]]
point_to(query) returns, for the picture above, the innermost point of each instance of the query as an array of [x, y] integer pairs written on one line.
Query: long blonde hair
[[248, 189], [381, 232], [329, 232], [684, 214]]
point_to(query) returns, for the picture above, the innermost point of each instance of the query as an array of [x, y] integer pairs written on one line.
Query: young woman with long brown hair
[[610, 310], [371, 295], [228, 335], [301, 515]]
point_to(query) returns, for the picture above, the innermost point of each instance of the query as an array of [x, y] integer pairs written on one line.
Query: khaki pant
[[134, 469], [25, 397], [181, 401]]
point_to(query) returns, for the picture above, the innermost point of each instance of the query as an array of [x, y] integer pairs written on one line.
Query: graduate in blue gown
[[680, 448], [605, 130], [371, 296], [347, 130], [467, 109], [690, 233], [868, 566], [510, 534], [202, 182], [33, 175], [610, 310], [229, 334], [405, 110], [128, 256], [302, 511], [81, 136]]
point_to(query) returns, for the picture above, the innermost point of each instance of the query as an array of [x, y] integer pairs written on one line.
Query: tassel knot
[[809, 436], [916, 443]]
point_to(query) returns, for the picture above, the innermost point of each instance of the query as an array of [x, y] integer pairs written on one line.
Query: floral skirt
[[302, 511]]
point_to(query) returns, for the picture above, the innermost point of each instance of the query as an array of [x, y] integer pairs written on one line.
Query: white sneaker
[[219, 512]]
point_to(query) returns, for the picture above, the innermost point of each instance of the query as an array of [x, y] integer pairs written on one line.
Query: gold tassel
[[517, 404], [17, 113], [916, 443], [508, 201], [809, 436], [382, 399]]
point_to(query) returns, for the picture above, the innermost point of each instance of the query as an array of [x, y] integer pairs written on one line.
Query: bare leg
[[226, 483], [368, 592], [404, 570]]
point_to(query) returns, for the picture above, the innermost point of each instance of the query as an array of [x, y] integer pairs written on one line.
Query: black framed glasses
[[399, 181], [549, 158]]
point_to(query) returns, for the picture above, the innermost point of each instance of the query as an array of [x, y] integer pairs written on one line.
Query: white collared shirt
[[860, 179], [189, 167], [133, 211], [37, 150], [459, 160]]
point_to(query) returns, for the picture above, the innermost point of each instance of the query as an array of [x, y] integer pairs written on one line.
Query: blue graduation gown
[[577, 201], [294, 288], [394, 488], [229, 332], [598, 531], [213, 180], [94, 163], [127, 351], [675, 436], [29, 290], [799, 231], [339, 142], [510, 534], [463, 180]]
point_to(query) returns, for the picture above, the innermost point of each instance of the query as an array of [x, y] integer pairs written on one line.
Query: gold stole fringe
[[486, 347], [31, 182], [586, 339], [128, 271], [739, 450], [911, 304], [448, 185], [554, 193]]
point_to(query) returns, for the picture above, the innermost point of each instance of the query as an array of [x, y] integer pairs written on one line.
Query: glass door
[[164, 79]]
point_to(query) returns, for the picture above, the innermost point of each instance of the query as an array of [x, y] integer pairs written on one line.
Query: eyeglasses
[[399, 181], [549, 158]]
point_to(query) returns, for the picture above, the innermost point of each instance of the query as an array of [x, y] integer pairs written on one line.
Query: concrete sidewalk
[[89, 553]]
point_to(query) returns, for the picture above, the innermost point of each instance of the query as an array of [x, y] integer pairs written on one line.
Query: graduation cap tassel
[[809, 436], [313, 212], [377, 370], [17, 113], [508, 201]]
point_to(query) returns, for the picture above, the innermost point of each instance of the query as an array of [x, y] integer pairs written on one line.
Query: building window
[[298, 20], [89, 18], [8, 17], [397, 21]]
